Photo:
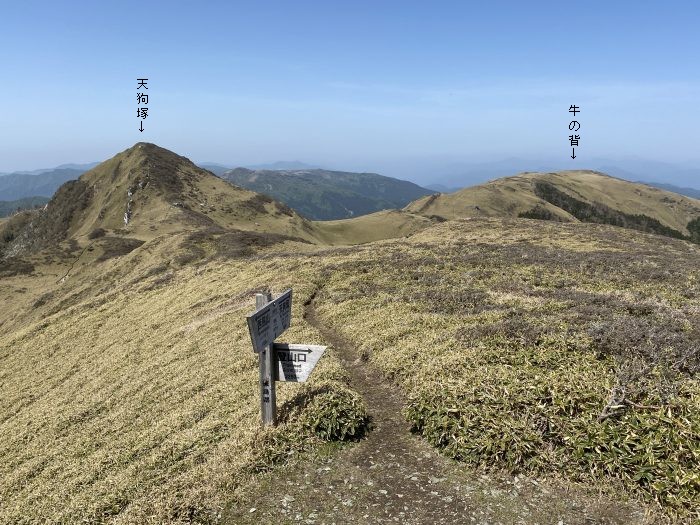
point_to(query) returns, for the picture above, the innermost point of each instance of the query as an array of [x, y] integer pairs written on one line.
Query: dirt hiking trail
[[394, 476]]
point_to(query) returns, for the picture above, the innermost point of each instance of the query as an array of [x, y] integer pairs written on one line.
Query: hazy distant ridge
[[44, 184], [327, 195], [26, 203]]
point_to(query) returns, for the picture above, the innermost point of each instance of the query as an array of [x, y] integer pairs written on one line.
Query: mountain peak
[[152, 152], [146, 191]]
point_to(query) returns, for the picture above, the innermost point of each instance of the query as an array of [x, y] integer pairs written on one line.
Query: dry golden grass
[[129, 390], [550, 349], [377, 226], [136, 404], [510, 196]]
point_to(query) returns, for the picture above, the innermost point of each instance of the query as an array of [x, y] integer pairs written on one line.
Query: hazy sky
[[349, 83]]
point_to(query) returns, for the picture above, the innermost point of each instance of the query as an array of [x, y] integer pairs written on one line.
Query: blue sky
[[350, 84]]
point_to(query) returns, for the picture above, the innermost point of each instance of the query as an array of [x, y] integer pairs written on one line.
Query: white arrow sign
[[295, 362]]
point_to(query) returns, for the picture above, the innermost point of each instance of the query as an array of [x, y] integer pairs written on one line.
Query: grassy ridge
[[382, 225], [566, 196]]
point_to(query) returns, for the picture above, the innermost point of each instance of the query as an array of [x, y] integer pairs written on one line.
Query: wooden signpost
[[277, 361]]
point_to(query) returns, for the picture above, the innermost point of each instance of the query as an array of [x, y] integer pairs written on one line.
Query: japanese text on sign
[[574, 126], [295, 362], [142, 101], [268, 322]]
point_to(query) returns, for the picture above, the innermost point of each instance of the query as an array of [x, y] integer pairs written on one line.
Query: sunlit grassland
[[130, 394], [140, 403], [570, 351], [511, 196]]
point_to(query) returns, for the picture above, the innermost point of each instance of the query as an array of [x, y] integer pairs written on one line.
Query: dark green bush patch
[[97, 233], [538, 212], [12, 266], [327, 411], [335, 414], [602, 214], [117, 246], [694, 229]]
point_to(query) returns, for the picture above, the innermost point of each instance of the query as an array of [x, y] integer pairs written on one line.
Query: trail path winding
[[393, 476]]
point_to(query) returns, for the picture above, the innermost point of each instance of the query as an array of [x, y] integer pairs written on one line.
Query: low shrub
[[118, 246], [327, 411], [335, 414], [96, 233], [537, 411], [12, 266], [694, 229], [538, 212]]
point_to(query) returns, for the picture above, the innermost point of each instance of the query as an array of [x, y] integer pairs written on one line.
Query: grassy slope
[[510, 338], [130, 395], [513, 195], [502, 197], [671, 209], [129, 387], [373, 227], [129, 390]]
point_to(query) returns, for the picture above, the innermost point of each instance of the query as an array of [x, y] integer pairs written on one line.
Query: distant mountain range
[[316, 193], [688, 192], [146, 191], [461, 173], [345, 194], [220, 169], [441, 188], [9, 207], [326, 195], [78, 167], [284, 165], [216, 169], [41, 183]]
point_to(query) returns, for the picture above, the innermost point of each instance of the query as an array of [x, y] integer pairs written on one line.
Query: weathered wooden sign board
[[277, 361], [295, 362], [269, 321]]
